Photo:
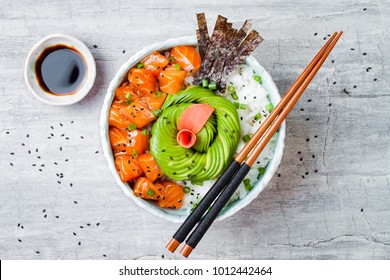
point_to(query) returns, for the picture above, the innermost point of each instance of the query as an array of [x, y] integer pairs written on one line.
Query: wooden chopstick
[[208, 199], [229, 190]]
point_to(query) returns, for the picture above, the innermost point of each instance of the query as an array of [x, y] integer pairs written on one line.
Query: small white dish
[[30, 75], [179, 216]]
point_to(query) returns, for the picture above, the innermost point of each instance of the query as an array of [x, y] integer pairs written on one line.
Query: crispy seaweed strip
[[249, 44], [203, 37], [224, 52], [212, 49]]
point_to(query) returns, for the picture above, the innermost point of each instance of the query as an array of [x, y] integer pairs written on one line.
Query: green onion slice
[[257, 79], [140, 65], [132, 126], [212, 86], [205, 83], [234, 95], [150, 192]]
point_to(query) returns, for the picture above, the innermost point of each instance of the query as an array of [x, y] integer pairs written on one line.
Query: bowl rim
[[37, 49], [107, 151]]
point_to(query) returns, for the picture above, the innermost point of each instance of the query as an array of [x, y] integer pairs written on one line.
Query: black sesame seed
[[315, 34], [44, 210], [7, 132], [361, 210], [301, 159], [11, 154], [316, 171], [59, 182], [332, 60], [309, 100], [313, 156], [299, 152], [98, 224], [303, 177], [324, 38], [307, 173], [28, 135], [45, 216], [37, 252], [308, 139], [79, 243], [89, 225], [104, 255], [375, 79], [334, 83], [75, 202], [352, 49], [20, 240], [81, 227], [330, 104], [74, 234], [82, 137], [315, 136], [307, 119], [11, 164], [279, 175], [302, 109], [57, 217], [364, 53], [71, 184]]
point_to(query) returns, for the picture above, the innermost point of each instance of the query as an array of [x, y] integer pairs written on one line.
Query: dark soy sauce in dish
[[60, 70]]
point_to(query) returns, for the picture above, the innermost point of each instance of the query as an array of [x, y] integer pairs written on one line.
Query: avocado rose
[[215, 144]]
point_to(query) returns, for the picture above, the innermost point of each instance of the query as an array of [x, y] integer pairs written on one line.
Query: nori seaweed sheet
[[224, 50]]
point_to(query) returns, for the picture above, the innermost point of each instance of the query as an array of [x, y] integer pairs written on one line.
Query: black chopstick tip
[[172, 245]]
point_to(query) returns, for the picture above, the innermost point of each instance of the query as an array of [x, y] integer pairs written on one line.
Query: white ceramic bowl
[[180, 215], [31, 78]]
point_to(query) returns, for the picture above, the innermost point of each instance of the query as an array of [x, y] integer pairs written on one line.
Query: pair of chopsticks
[[228, 182]]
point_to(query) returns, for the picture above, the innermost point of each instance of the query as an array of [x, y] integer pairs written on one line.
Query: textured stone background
[[330, 201]]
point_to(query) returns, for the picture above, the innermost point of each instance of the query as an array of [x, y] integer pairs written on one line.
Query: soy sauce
[[60, 70]]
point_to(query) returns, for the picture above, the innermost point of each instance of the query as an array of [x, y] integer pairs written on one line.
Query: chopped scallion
[[212, 86], [140, 65], [158, 93], [145, 132], [134, 153], [234, 95], [237, 105], [257, 79], [205, 83], [187, 189], [261, 170], [157, 112], [171, 59], [246, 138], [257, 116], [231, 89], [242, 106], [269, 107], [129, 101], [177, 66], [150, 192], [132, 126], [128, 95]]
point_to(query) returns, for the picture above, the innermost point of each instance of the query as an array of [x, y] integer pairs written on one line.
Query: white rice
[[254, 96]]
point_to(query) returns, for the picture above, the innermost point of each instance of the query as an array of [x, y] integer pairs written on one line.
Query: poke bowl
[[261, 174]]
